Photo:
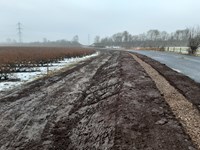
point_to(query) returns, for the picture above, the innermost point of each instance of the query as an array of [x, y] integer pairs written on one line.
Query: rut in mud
[[108, 103]]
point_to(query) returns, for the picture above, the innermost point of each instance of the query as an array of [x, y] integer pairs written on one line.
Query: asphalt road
[[187, 65]]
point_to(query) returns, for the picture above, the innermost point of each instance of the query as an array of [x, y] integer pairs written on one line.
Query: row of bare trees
[[154, 38]]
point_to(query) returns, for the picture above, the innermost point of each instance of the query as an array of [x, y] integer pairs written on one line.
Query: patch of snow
[[25, 77], [176, 70]]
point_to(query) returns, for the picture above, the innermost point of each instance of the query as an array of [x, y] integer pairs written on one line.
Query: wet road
[[188, 65]]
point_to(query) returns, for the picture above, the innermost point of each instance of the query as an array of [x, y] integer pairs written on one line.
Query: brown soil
[[110, 102]]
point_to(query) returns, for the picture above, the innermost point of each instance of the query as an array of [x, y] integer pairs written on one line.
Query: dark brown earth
[[108, 102], [185, 85]]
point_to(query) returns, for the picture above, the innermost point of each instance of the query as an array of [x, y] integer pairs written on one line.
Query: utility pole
[[19, 30]]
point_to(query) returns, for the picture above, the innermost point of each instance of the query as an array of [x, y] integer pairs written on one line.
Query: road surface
[[187, 65]]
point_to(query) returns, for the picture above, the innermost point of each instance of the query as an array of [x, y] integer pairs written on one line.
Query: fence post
[[47, 68]]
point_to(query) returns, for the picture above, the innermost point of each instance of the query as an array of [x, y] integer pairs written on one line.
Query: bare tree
[[117, 38], [125, 36], [194, 39], [75, 39], [153, 35], [97, 39], [164, 35]]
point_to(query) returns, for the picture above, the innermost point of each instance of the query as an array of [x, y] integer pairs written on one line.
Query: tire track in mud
[[77, 127], [39, 106]]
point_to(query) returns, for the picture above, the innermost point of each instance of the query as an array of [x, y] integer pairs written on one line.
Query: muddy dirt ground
[[108, 102]]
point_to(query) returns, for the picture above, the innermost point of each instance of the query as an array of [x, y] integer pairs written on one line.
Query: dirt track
[[105, 103]]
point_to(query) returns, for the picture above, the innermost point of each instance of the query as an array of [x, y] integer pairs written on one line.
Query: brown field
[[14, 58]]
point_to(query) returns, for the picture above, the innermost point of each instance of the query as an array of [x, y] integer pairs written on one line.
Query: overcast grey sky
[[62, 19]]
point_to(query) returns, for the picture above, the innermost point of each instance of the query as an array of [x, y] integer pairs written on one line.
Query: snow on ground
[[25, 77], [176, 70]]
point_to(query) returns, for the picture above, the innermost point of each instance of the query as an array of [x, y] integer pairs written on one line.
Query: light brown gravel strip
[[184, 111]]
